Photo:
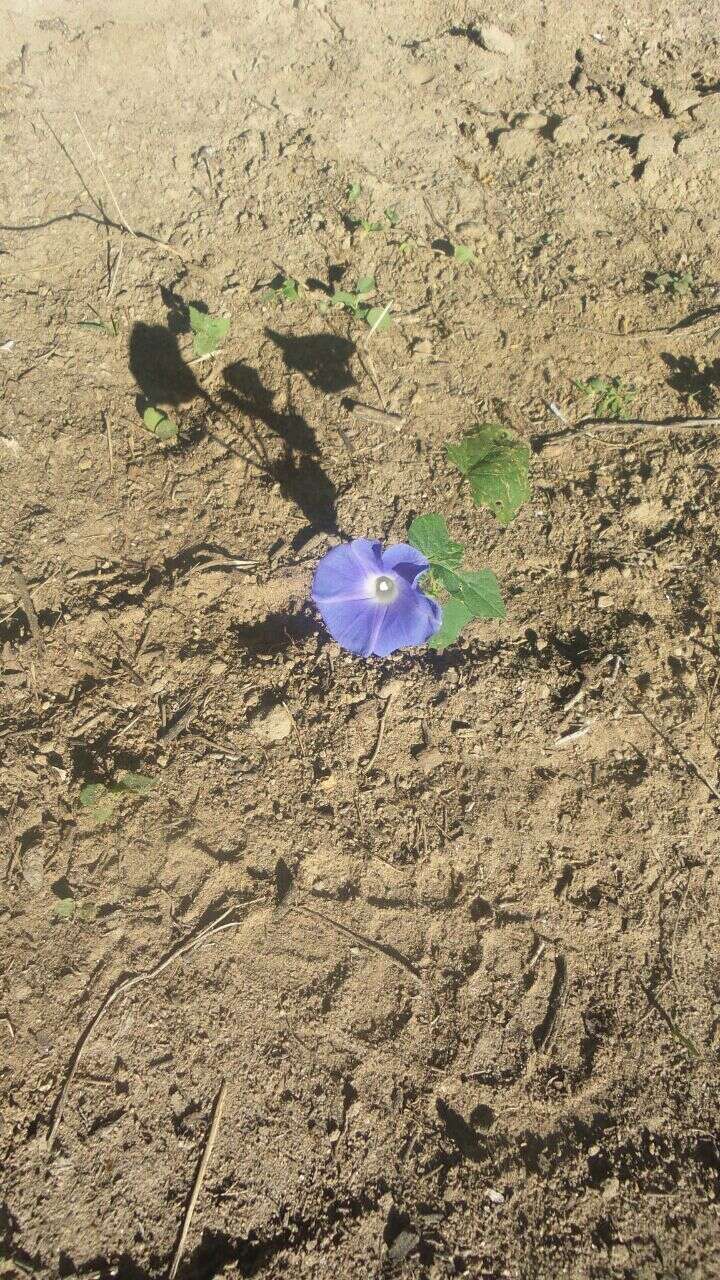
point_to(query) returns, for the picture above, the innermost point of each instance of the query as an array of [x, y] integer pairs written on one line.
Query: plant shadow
[[322, 358], [274, 633], [298, 472], [157, 365], [689, 378]]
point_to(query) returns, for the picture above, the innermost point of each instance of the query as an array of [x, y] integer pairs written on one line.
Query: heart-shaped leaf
[[429, 534], [496, 463], [455, 615], [208, 331]]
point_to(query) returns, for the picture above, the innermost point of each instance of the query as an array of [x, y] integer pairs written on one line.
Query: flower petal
[[345, 571], [405, 560], [410, 620], [353, 623]]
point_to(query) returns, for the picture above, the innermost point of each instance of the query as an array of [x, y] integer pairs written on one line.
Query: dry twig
[[686, 759], [370, 944], [23, 594], [381, 733], [121, 989], [199, 1176]]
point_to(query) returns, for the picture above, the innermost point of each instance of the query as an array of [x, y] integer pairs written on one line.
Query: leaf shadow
[[322, 358], [700, 383]]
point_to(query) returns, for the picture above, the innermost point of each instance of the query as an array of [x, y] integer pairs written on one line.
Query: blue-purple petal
[[405, 560], [353, 624], [345, 570], [410, 620], [343, 590]]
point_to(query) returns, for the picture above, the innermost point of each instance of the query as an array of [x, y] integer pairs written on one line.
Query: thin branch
[[687, 760], [381, 733], [121, 989], [199, 1177], [648, 424], [370, 944], [23, 593], [104, 177]]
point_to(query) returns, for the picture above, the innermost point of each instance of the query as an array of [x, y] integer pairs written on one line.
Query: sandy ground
[[461, 981]]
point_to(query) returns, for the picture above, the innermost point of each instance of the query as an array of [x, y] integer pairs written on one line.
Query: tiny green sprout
[[461, 253], [356, 301], [208, 331], [367, 225], [354, 192], [496, 464], [463, 595], [675, 283], [158, 423], [67, 909], [110, 328], [406, 246], [611, 398], [99, 799], [287, 291]]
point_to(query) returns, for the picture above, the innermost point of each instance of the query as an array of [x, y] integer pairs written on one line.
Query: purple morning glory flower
[[369, 598]]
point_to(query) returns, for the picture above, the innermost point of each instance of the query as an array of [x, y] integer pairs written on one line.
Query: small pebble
[[420, 73], [273, 726]]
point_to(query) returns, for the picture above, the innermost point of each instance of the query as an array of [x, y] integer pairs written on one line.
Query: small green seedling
[[287, 291], [208, 331], [611, 398], [496, 463], [99, 799], [368, 226], [675, 283], [158, 423], [354, 192], [461, 253], [110, 328], [463, 595], [376, 317], [68, 909], [65, 908]]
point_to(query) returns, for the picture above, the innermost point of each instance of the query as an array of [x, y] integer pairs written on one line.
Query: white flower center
[[385, 589]]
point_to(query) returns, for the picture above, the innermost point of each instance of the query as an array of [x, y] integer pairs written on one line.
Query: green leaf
[[354, 192], [392, 216], [166, 430], [378, 318], [159, 423], [461, 253], [65, 908], [342, 298], [481, 594], [99, 800], [496, 463], [208, 331], [92, 793], [455, 615], [365, 285], [136, 783], [110, 329], [429, 534], [479, 591]]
